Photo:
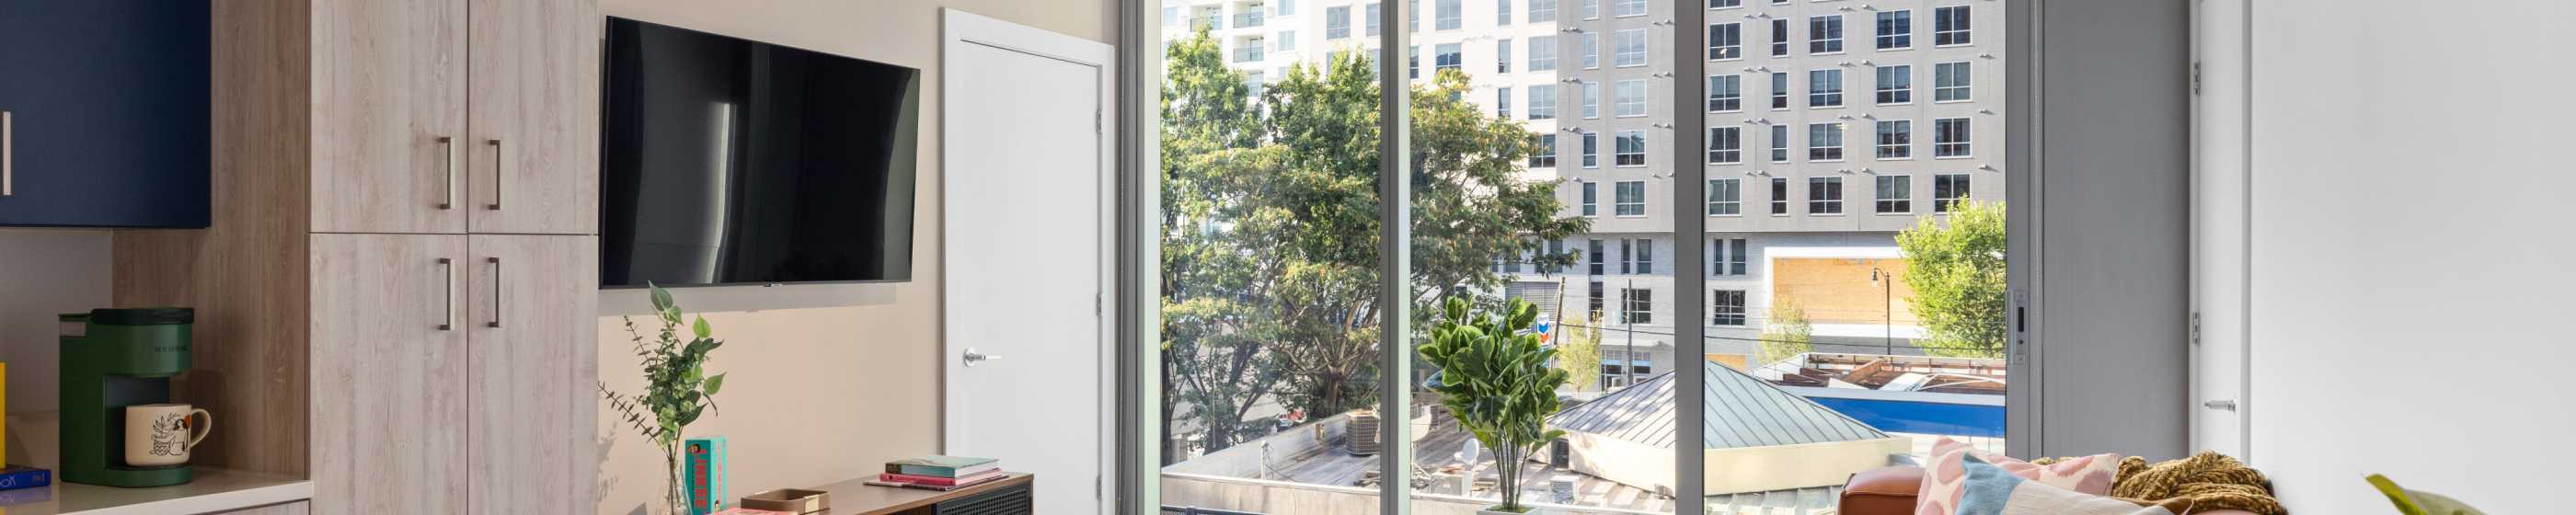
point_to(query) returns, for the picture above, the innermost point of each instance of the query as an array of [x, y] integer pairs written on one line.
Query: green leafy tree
[[1578, 351], [1785, 333], [1494, 376], [1957, 272], [1271, 229]]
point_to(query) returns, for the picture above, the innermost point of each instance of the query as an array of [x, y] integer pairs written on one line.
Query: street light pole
[[1887, 300]]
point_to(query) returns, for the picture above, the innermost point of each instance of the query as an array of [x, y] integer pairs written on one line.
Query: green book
[[942, 466]]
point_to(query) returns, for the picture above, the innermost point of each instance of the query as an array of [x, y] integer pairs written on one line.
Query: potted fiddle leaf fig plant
[[1496, 379], [677, 387]]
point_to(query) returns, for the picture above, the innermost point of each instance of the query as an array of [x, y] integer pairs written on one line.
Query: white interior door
[[2220, 243], [1026, 262]]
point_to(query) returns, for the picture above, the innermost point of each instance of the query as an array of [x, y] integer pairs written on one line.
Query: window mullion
[[1395, 242], [1690, 268]]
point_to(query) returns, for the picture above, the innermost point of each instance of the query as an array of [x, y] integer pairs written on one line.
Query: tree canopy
[[1957, 272]]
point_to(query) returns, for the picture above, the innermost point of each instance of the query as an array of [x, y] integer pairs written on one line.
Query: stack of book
[[940, 472]]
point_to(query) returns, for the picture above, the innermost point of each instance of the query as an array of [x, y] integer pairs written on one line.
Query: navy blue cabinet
[[107, 113]]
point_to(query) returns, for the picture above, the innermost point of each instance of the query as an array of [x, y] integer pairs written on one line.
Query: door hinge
[[1098, 126], [1097, 305], [2195, 328], [1095, 486], [2195, 78]]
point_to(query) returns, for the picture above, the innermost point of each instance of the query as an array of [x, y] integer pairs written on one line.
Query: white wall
[[2412, 251], [45, 272]]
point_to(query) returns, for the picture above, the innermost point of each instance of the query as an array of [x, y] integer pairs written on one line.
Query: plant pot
[[1533, 510]]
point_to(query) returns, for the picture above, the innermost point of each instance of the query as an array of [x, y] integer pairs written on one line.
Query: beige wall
[[828, 381]]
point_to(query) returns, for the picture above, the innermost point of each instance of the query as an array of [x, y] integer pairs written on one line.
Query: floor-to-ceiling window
[[1825, 317]]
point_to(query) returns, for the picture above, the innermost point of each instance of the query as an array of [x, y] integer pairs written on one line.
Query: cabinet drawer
[[1012, 500]]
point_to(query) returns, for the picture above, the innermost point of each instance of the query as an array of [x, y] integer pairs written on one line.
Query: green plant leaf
[[700, 328], [715, 384]]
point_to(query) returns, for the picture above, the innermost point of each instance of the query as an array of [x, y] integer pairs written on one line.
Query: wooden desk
[[854, 497]]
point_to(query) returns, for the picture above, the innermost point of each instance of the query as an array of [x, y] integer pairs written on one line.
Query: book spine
[[26, 479], [918, 480]]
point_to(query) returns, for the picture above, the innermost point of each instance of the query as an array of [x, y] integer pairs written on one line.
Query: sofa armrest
[[1881, 491]]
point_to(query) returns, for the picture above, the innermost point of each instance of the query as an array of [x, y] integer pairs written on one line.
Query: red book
[[939, 481]]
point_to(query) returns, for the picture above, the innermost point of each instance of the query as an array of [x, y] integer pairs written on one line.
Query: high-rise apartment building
[[1832, 125]]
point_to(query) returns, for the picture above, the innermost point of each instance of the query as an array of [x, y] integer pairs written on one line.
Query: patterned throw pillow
[[1945, 476], [1990, 490]]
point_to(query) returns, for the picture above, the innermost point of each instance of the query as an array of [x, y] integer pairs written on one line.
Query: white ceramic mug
[[161, 434]]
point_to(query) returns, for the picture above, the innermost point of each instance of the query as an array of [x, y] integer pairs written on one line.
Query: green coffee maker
[[113, 358]]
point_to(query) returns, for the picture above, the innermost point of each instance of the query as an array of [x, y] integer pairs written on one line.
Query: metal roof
[[1743, 411]]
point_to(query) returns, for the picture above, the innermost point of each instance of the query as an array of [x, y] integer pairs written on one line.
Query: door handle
[[496, 292], [973, 357], [447, 160], [447, 322], [497, 176], [8, 157], [2223, 405]]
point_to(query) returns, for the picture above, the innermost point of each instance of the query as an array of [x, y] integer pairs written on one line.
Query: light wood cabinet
[[390, 357], [292, 508], [534, 94], [388, 102], [455, 116], [532, 373]]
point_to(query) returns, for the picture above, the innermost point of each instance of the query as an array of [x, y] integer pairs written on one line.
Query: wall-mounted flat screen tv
[[730, 161]]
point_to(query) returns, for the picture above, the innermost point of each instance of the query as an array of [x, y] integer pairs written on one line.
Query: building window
[[1591, 200], [1895, 84], [1895, 194], [1722, 4], [1171, 16], [1413, 62], [1542, 53], [1503, 103], [1544, 155], [1591, 150], [1779, 143], [1542, 102], [1628, 48], [1950, 26], [1627, 8], [1726, 307], [1825, 88], [1725, 41], [1369, 20], [1503, 55], [1950, 82], [1725, 197], [1590, 9], [1587, 48], [1725, 93], [1725, 145], [1614, 368], [1950, 137], [1631, 148], [1287, 40], [1632, 198], [1779, 37], [1502, 12], [1591, 98], [1447, 56], [1337, 22], [1947, 190], [1451, 15], [1825, 34], [1727, 257], [1543, 11], [1825, 141], [1779, 90], [1636, 256], [1895, 139], [1413, 15], [1287, 7], [1636, 306], [1895, 30], [1824, 195], [1779, 196], [1628, 98], [1595, 294], [1599, 260]]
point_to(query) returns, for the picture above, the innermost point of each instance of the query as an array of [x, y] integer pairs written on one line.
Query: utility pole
[[1887, 299], [1627, 372]]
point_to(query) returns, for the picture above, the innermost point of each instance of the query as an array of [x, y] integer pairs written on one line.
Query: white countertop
[[212, 491]]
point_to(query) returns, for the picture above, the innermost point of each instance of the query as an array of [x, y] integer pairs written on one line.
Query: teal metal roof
[[1743, 411]]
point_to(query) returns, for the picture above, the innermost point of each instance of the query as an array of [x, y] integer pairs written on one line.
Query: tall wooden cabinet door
[[535, 123], [390, 411], [389, 143], [534, 373]]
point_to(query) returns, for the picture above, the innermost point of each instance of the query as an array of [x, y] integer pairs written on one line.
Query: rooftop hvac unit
[[1560, 454], [1561, 488], [1365, 437]]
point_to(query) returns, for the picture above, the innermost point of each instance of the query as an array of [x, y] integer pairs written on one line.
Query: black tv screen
[[730, 161]]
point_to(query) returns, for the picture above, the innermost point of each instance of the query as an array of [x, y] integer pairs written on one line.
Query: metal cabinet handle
[[8, 157], [2224, 405], [447, 154], [973, 357], [497, 176], [496, 292], [448, 322]]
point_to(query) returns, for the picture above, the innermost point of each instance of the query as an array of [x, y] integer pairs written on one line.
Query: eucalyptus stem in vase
[[677, 387]]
